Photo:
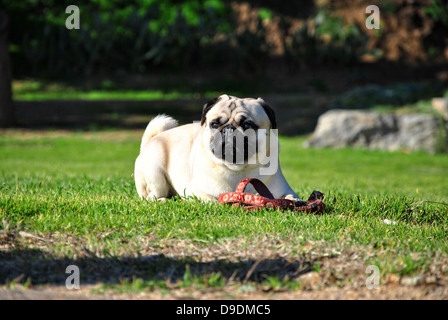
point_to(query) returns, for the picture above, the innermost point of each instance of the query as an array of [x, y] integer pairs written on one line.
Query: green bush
[[326, 40], [113, 35], [138, 36], [395, 95]]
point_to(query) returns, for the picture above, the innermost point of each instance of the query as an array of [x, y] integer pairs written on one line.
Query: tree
[[7, 118]]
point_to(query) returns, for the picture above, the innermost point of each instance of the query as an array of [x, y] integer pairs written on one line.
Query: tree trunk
[[7, 118]]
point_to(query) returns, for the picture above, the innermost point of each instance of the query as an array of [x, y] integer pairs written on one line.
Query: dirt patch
[[113, 135], [383, 293], [31, 268]]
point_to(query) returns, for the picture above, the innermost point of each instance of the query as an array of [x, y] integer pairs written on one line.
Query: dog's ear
[[207, 108], [269, 112]]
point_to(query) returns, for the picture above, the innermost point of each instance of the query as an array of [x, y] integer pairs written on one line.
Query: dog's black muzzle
[[233, 145]]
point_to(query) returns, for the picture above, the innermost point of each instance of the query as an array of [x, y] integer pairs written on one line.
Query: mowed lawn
[[69, 198]]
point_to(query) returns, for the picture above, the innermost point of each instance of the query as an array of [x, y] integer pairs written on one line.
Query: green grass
[[31, 90], [421, 106], [163, 89], [103, 95], [82, 187]]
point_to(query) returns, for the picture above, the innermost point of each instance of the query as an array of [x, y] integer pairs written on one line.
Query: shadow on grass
[[88, 115], [298, 98], [297, 114], [40, 268]]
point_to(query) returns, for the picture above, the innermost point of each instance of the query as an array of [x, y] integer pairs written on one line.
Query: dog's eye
[[214, 124], [247, 125]]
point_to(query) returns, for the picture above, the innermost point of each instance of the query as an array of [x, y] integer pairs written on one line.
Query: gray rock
[[412, 281], [441, 105], [357, 128]]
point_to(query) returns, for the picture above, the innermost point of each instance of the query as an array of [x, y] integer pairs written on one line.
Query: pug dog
[[235, 140]]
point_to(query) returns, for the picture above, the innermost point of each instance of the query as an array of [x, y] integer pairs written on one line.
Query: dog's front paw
[[207, 197], [292, 197], [152, 197], [201, 196]]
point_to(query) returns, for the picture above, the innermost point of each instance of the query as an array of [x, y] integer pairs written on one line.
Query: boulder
[[374, 130], [441, 105]]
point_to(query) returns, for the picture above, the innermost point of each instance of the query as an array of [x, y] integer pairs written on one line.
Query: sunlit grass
[[32, 90], [35, 90], [81, 185]]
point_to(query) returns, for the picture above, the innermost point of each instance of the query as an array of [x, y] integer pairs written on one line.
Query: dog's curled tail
[[160, 123]]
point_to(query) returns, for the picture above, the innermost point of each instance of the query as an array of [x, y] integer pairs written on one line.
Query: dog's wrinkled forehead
[[231, 106]]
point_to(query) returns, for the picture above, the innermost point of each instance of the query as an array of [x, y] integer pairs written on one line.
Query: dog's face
[[235, 130]]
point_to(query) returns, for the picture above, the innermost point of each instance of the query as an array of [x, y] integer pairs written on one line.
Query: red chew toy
[[265, 199]]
